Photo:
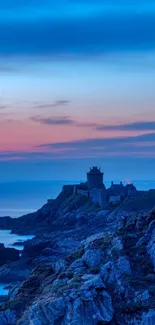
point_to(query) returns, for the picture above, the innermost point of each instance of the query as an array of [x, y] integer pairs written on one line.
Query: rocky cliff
[[87, 266]]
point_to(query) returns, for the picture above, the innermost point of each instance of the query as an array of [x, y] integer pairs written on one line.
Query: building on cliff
[[94, 188], [94, 178]]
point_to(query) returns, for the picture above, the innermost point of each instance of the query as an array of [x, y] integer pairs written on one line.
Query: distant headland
[[95, 189]]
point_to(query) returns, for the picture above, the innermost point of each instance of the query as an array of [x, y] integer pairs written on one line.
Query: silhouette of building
[[95, 189], [94, 178]]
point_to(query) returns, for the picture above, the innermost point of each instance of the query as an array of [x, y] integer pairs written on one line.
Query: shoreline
[[76, 243]]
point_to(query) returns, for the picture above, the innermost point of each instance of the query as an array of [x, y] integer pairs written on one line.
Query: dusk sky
[[77, 88]]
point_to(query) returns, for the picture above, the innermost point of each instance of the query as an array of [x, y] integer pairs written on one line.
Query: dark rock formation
[[87, 267], [8, 254]]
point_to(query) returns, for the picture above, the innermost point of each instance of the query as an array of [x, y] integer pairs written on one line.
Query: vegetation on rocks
[[88, 273]]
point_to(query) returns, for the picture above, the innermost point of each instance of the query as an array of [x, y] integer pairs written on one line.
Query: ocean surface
[[3, 289], [8, 240], [20, 198]]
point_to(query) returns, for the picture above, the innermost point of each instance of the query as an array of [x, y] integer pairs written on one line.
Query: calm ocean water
[[3, 290], [19, 198], [8, 240]]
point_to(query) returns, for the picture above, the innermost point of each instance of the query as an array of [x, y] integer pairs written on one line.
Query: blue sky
[[77, 87]]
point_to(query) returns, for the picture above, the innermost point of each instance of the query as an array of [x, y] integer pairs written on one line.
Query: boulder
[[92, 257], [8, 318], [71, 310], [13, 290], [59, 266], [79, 271], [141, 298], [76, 264], [123, 266], [8, 255], [92, 281], [151, 248], [105, 270], [149, 318]]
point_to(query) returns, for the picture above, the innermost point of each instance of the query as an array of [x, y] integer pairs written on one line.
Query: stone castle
[[95, 189]]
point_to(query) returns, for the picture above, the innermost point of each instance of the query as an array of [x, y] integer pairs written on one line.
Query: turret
[[94, 177]]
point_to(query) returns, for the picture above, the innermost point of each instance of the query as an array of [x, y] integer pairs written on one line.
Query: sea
[[22, 197]]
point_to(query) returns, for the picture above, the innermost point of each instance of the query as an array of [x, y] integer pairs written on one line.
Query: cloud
[[135, 126], [64, 120], [107, 144], [142, 146], [57, 103], [61, 120], [7, 69], [3, 107]]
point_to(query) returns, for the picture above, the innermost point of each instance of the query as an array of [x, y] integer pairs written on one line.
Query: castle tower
[[94, 178]]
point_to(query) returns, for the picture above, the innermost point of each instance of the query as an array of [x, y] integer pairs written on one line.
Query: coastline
[[75, 241]]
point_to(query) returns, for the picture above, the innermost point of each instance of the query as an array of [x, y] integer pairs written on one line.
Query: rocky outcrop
[[8, 318], [151, 244], [8, 254], [87, 269], [77, 308]]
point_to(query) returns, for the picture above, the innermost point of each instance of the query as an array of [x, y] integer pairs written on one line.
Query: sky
[[77, 89]]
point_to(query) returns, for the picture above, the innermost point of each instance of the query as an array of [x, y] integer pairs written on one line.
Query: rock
[[59, 266], [59, 283], [150, 277], [13, 290], [79, 270], [86, 295], [105, 270], [74, 313], [92, 281], [112, 272], [151, 248], [70, 244], [33, 248], [12, 276], [107, 307], [102, 213], [52, 311], [8, 255], [76, 264], [19, 243], [3, 299], [123, 266], [117, 244], [81, 260], [142, 297], [142, 241], [149, 318], [8, 318], [92, 257], [151, 227], [47, 251], [92, 238], [70, 310]]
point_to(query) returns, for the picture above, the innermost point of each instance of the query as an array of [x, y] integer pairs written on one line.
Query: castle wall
[[68, 188], [115, 199], [98, 196], [94, 180], [83, 192]]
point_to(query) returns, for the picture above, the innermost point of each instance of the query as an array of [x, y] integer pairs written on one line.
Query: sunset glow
[[66, 99]]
